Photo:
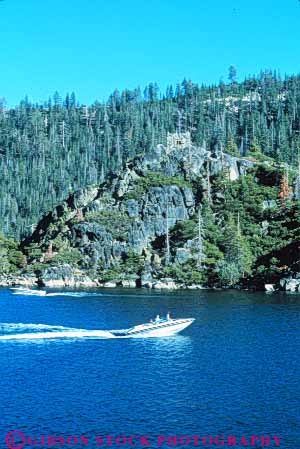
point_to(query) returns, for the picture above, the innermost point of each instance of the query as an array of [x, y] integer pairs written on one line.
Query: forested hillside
[[52, 149], [174, 218]]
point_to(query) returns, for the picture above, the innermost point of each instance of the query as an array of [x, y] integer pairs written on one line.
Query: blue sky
[[94, 46]]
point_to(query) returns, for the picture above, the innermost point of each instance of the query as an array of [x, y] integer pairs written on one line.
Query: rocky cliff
[[159, 223]]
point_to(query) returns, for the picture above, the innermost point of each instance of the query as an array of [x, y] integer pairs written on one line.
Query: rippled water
[[234, 371]]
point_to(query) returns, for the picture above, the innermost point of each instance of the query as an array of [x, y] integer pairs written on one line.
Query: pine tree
[[231, 147], [200, 255], [238, 258], [232, 74], [49, 252], [255, 148], [285, 190], [167, 258], [297, 182]]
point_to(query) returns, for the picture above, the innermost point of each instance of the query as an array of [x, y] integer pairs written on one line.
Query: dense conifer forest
[[49, 150]]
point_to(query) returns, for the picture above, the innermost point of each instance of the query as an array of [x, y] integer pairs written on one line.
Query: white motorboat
[[162, 327]]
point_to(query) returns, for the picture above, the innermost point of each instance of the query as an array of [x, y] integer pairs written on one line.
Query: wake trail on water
[[76, 294], [29, 331], [42, 294]]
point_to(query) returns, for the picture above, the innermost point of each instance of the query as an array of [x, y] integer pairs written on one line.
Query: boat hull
[[164, 329]]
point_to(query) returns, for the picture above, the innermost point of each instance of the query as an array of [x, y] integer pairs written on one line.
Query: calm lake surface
[[235, 371]]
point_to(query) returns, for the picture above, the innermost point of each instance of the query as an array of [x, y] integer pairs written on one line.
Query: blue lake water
[[234, 371]]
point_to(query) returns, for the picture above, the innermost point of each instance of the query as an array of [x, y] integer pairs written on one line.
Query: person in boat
[[157, 319], [168, 316]]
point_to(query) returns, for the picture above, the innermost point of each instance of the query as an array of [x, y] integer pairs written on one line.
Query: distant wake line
[[76, 294], [24, 292], [15, 331]]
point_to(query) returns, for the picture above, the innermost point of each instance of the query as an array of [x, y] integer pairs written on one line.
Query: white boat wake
[[15, 327], [23, 331], [75, 294], [24, 291]]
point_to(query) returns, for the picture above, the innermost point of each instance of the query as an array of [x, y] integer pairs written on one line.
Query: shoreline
[[289, 285]]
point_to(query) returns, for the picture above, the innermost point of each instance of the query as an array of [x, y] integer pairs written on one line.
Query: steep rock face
[[146, 219], [61, 214], [94, 242]]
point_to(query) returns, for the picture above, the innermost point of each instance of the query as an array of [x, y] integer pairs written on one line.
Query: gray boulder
[[291, 284]]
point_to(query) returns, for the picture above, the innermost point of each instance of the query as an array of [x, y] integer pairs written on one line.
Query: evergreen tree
[[255, 147], [232, 74], [238, 258], [231, 147], [200, 243], [285, 190]]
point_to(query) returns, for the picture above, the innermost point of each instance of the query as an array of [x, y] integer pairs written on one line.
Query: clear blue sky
[[95, 46]]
